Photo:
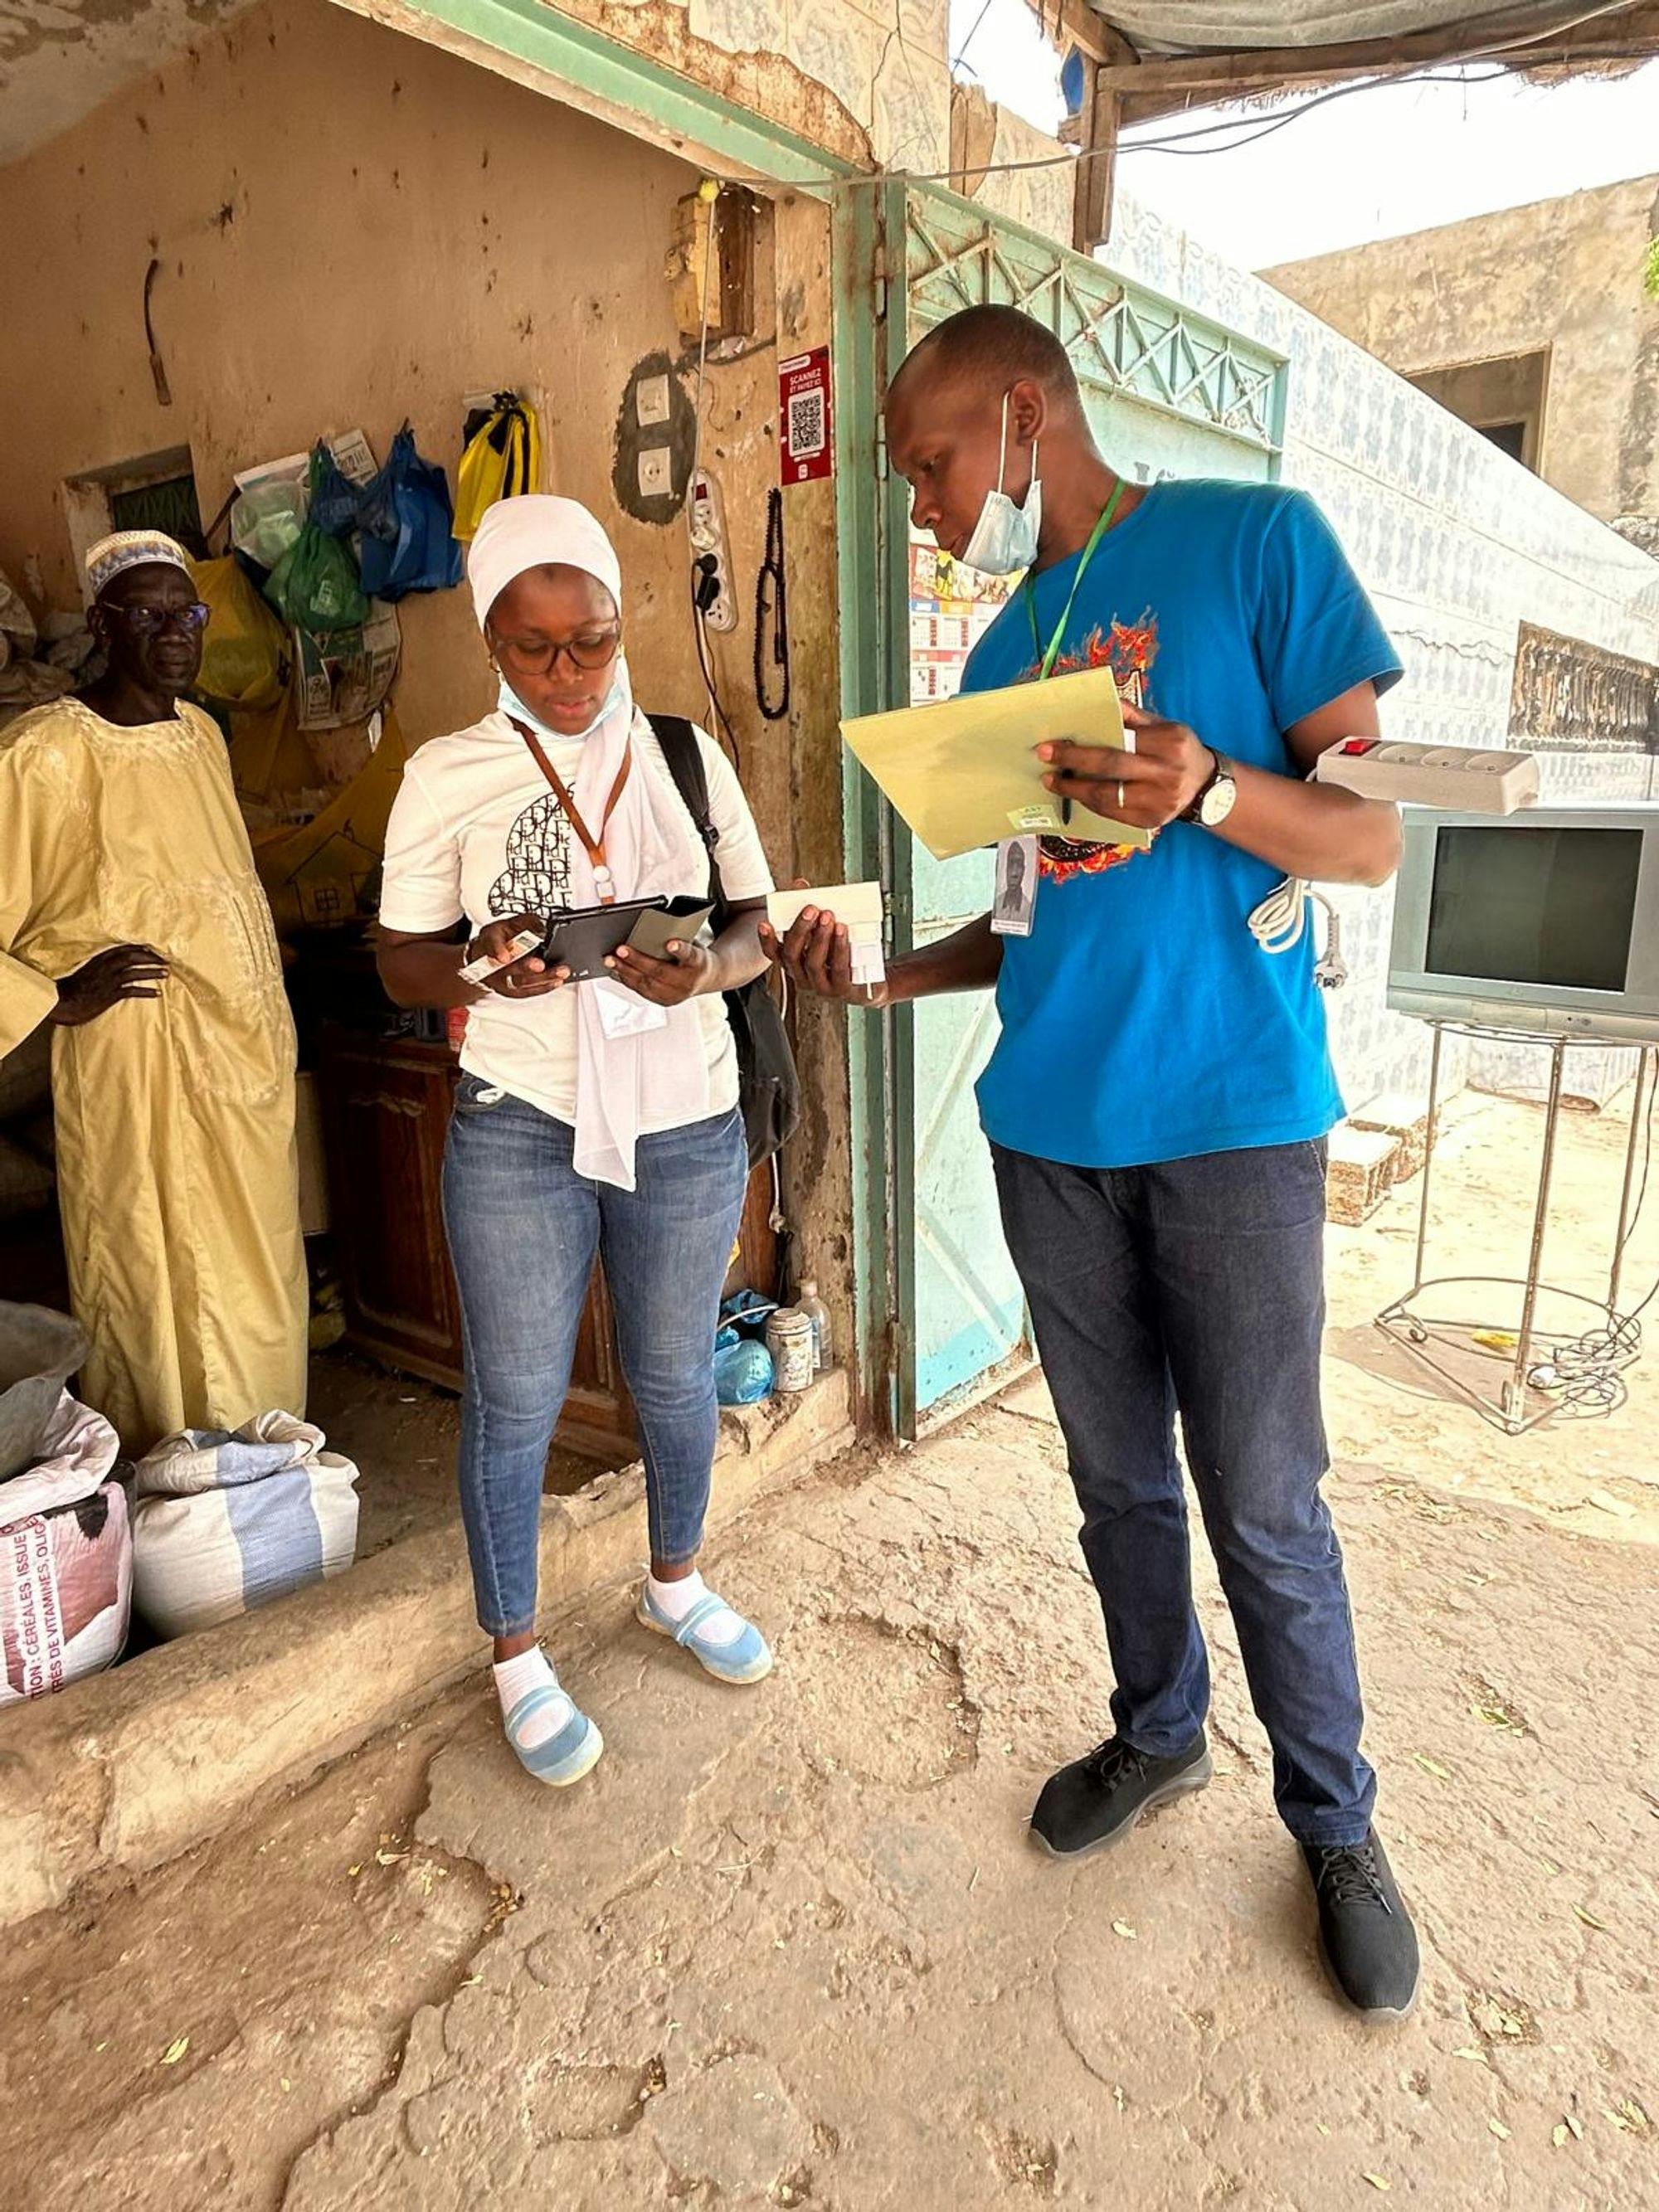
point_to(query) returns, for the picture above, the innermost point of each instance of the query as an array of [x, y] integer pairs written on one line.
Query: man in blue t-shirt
[[1158, 1099]]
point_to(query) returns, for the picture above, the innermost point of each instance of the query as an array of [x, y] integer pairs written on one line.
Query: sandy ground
[[792, 1946]]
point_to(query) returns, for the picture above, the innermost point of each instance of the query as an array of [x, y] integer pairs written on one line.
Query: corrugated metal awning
[[1227, 26], [1154, 57]]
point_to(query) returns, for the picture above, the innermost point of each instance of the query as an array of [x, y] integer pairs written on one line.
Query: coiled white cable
[[1278, 923]]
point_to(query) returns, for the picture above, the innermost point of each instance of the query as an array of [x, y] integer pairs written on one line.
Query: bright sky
[[1374, 164]]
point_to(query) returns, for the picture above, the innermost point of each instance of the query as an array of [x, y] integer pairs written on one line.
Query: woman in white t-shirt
[[600, 1116]]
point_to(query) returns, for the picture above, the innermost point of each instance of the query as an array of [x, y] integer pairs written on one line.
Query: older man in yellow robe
[[131, 918]]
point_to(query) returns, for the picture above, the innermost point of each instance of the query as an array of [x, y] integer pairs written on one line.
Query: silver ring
[[1120, 798]]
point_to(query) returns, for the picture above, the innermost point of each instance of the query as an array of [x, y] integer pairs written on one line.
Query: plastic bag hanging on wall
[[315, 586], [408, 525], [502, 460]]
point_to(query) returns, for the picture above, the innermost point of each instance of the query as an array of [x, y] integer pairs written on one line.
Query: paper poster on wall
[[950, 609], [806, 449]]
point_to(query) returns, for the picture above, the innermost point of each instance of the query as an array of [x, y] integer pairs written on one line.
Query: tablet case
[[582, 940]]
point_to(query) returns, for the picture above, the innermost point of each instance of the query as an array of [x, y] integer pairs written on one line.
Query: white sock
[[676, 1599], [515, 1678]]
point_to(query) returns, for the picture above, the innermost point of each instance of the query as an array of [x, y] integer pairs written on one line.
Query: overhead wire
[[1447, 71], [699, 628]]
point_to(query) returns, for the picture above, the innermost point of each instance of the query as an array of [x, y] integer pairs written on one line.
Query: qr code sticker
[[806, 436]]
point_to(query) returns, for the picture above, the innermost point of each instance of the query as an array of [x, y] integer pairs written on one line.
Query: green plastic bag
[[315, 586]]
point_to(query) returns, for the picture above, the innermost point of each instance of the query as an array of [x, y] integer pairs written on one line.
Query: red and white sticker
[[805, 444]]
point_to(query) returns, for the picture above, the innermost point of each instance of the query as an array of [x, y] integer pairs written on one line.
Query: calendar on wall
[[950, 609]]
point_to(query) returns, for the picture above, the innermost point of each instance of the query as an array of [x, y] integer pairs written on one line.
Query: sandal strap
[[704, 1609], [533, 1702]]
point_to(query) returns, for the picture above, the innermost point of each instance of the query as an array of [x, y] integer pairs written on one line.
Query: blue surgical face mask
[[1005, 538], [511, 706]]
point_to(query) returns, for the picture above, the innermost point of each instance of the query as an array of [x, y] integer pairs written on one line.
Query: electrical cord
[[721, 720], [1278, 923], [709, 193], [1439, 73]]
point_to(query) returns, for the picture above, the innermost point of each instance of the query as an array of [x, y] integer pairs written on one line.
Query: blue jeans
[[523, 1228], [1197, 1288]]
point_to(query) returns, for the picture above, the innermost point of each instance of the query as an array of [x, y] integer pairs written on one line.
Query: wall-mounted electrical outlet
[[656, 473]]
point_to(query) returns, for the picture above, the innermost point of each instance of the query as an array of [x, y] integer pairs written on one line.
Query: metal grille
[[1122, 341], [170, 506]]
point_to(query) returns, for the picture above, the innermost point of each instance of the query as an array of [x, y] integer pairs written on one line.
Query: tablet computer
[[583, 939]]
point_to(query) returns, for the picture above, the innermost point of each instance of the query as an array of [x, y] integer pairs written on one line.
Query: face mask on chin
[[1005, 538], [515, 710]]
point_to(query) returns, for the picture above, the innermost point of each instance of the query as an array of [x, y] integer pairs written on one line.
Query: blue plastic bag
[[407, 526], [334, 497], [743, 1370]]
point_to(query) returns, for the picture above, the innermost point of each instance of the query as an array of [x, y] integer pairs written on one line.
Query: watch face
[[1218, 802]]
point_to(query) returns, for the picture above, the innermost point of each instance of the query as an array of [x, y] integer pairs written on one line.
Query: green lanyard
[[1099, 531]]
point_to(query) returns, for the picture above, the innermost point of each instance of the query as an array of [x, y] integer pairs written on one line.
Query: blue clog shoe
[[747, 1658]]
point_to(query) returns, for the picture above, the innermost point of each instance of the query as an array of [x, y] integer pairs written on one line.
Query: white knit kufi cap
[[132, 549], [537, 530]]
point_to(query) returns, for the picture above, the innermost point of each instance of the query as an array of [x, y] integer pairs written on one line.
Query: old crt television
[[1543, 920]]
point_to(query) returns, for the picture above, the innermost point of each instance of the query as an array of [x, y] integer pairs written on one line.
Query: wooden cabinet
[[385, 1104]]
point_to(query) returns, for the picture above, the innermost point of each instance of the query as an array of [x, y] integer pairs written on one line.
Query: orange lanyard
[[594, 847]]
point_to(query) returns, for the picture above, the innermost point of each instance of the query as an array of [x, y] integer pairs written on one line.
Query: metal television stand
[[1581, 1371]]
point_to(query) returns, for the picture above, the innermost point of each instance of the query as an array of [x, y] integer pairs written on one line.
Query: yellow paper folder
[[963, 774]]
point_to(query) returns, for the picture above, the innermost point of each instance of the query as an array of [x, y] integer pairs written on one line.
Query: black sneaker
[[1095, 1800], [1364, 1930]]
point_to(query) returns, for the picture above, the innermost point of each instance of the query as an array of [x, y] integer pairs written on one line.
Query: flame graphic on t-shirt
[[1128, 649]]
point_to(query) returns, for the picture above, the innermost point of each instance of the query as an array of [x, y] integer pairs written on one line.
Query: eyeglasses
[[150, 621], [590, 649]]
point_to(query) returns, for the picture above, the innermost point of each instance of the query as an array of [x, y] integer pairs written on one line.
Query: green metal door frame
[[869, 340]]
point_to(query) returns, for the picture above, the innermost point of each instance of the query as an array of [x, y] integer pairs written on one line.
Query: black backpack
[[769, 1087]]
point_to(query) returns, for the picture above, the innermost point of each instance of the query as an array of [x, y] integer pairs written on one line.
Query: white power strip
[[709, 542], [1455, 778]]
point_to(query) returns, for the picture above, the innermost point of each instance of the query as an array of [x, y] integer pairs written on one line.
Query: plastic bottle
[[817, 1313]]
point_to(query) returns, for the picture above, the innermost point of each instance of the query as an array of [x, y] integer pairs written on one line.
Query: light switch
[[650, 398], [656, 473]]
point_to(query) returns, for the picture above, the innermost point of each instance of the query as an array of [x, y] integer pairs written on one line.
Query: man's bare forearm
[[968, 960]]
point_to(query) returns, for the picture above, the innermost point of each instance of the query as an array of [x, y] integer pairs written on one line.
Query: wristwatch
[[1216, 795]]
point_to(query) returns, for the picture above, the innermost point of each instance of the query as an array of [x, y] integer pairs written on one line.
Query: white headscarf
[[650, 844]]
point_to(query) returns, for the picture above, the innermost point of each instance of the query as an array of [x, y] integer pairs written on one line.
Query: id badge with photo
[[1013, 908]]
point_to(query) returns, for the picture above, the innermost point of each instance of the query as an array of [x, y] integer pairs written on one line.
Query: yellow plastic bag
[[244, 648], [328, 871], [502, 460]]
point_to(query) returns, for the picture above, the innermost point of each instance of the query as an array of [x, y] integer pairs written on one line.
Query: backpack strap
[[684, 754]]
